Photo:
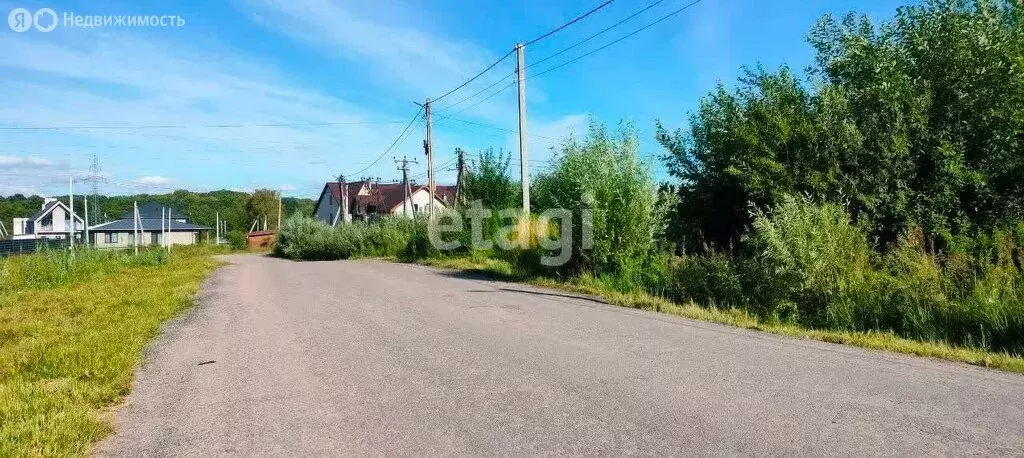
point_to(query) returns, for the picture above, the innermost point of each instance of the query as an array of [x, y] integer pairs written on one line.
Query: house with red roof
[[370, 200]]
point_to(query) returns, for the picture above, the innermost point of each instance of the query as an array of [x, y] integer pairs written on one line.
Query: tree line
[[239, 209]]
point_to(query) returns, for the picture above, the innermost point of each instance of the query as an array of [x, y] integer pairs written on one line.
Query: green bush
[[305, 238], [808, 256], [236, 239], [604, 176]]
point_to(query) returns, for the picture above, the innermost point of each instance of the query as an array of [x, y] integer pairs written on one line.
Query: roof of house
[[148, 224], [385, 195], [154, 211], [48, 208]]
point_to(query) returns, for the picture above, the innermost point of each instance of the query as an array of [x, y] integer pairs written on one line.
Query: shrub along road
[[281, 357]]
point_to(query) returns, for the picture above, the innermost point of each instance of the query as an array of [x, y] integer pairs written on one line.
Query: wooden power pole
[[523, 157], [404, 167], [461, 175], [279, 203], [428, 145]]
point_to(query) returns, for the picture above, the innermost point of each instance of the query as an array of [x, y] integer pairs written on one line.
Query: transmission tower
[[94, 180]]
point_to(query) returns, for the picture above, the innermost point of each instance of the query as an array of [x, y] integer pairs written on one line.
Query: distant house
[[121, 233], [369, 200], [52, 221]]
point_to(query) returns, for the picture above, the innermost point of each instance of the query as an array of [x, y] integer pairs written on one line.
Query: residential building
[[52, 221], [121, 233], [370, 200]]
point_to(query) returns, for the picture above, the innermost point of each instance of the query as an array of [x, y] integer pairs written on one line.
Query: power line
[[204, 126], [599, 33], [449, 107], [446, 94], [489, 126], [388, 150], [567, 24], [641, 29], [499, 91], [502, 58]]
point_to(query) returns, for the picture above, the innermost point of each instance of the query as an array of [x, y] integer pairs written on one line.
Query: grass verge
[[68, 348], [886, 341]]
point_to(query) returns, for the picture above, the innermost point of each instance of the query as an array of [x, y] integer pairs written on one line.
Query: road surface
[[367, 357]]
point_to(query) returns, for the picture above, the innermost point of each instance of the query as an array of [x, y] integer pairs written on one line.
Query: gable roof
[[155, 211], [385, 196], [49, 208], [46, 209]]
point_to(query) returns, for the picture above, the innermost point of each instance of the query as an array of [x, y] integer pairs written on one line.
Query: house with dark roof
[[153, 223], [372, 199], [52, 221]]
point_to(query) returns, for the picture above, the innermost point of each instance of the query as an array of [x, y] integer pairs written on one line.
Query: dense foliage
[[918, 122], [603, 176]]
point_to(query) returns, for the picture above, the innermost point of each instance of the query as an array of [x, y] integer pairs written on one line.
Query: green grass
[[735, 317], [71, 334]]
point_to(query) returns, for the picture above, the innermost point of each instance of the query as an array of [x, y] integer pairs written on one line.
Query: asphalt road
[[365, 357]]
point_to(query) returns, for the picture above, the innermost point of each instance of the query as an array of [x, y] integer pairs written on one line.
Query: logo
[[21, 19], [45, 19]]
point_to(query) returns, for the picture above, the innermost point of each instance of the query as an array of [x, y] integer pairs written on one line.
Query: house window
[[154, 238], [110, 237], [415, 207]]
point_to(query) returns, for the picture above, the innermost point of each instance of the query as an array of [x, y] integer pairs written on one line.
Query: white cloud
[[152, 180], [130, 79], [24, 162]]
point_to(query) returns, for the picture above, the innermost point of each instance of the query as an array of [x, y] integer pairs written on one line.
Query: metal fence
[[29, 246]]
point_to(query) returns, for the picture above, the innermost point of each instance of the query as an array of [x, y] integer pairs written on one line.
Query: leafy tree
[[262, 204], [916, 123], [489, 180], [603, 175]]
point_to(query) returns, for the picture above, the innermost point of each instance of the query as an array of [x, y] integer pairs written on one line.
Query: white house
[[53, 221], [369, 199]]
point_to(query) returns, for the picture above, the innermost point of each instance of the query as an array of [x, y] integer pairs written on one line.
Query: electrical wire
[[185, 126], [449, 107], [446, 94], [499, 91], [641, 29], [599, 33], [567, 24], [502, 58], [388, 150]]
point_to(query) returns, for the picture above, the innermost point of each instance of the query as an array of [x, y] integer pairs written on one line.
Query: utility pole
[[85, 239], [135, 227], [405, 182], [523, 157], [216, 241], [461, 175], [429, 146], [279, 203], [342, 216], [167, 237], [71, 205]]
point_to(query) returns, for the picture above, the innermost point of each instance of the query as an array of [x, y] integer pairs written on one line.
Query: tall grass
[[52, 267], [809, 265], [71, 334]]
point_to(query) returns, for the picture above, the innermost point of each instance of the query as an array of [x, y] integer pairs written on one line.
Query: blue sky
[[360, 65]]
